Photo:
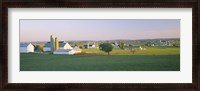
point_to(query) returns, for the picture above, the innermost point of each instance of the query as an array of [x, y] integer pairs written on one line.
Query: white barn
[[26, 48], [62, 45], [77, 50], [62, 51]]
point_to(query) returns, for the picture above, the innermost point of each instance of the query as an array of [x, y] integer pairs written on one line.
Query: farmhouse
[[133, 48], [115, 45], [90, 45], [63, 51], [62, 45], [26, 48]]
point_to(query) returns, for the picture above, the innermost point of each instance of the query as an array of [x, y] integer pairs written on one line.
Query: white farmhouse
[[90, 45], [26, 48], [62, 51], [62, 45]]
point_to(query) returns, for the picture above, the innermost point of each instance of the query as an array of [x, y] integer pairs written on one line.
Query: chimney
[[56, 43]]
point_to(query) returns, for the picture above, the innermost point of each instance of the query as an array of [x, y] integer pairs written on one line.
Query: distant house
[[133, 48], [88, 45], [62, 45], [115, 45], [26, 48], [63, 51]]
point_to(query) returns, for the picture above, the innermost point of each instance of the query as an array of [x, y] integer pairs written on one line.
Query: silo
[[52, 43], [57, 43]]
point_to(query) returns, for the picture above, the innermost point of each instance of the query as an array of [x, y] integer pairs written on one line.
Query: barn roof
[[48, 44], [24, 44], [61, 44], [76, 49]]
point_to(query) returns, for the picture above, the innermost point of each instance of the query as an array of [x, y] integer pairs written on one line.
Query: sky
[[91, 29]]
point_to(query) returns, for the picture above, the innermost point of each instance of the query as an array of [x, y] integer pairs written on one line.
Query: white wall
[[23, 49], [93, 46], [46, 49], [30, 48], [61, 47], [69, 53], [67, 46]]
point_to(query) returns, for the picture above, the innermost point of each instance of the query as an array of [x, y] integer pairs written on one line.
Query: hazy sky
[[40, 30]]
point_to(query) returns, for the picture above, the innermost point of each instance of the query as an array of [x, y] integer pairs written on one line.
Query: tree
[[121, 45], [132, 51], [106, 47], [130, 45], [38, 47]]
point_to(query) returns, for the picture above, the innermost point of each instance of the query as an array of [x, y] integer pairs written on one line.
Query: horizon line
[[105, 40]]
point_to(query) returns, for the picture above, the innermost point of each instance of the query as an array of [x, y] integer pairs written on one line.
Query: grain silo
[[56, 44], [52, 43]]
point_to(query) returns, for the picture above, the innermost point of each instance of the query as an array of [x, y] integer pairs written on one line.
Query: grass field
[[50, 62], [148, 51]]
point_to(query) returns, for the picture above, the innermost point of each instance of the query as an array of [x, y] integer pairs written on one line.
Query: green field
[[147, 51], [49, 62]]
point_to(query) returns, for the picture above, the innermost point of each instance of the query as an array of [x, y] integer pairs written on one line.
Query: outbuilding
[[62, 51], [26, 48], [77, 50], [47, 47]]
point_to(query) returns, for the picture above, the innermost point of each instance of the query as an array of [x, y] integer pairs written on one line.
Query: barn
[[77, 50], [62, 45], [47, 46], [26, 48], [62, 51]]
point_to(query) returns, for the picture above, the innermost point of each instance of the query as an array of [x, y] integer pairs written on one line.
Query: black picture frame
[[194, 4]]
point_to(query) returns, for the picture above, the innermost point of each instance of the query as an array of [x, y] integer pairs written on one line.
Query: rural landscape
[[93, 50]]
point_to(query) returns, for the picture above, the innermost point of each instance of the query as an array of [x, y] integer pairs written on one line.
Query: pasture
[[50, 62], [148, 51]]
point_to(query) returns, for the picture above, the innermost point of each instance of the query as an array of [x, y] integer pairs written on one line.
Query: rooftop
[[24, 44]]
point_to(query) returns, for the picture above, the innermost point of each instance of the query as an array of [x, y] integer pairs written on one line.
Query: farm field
[[147, 51], [100, 44], [50, 62]]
